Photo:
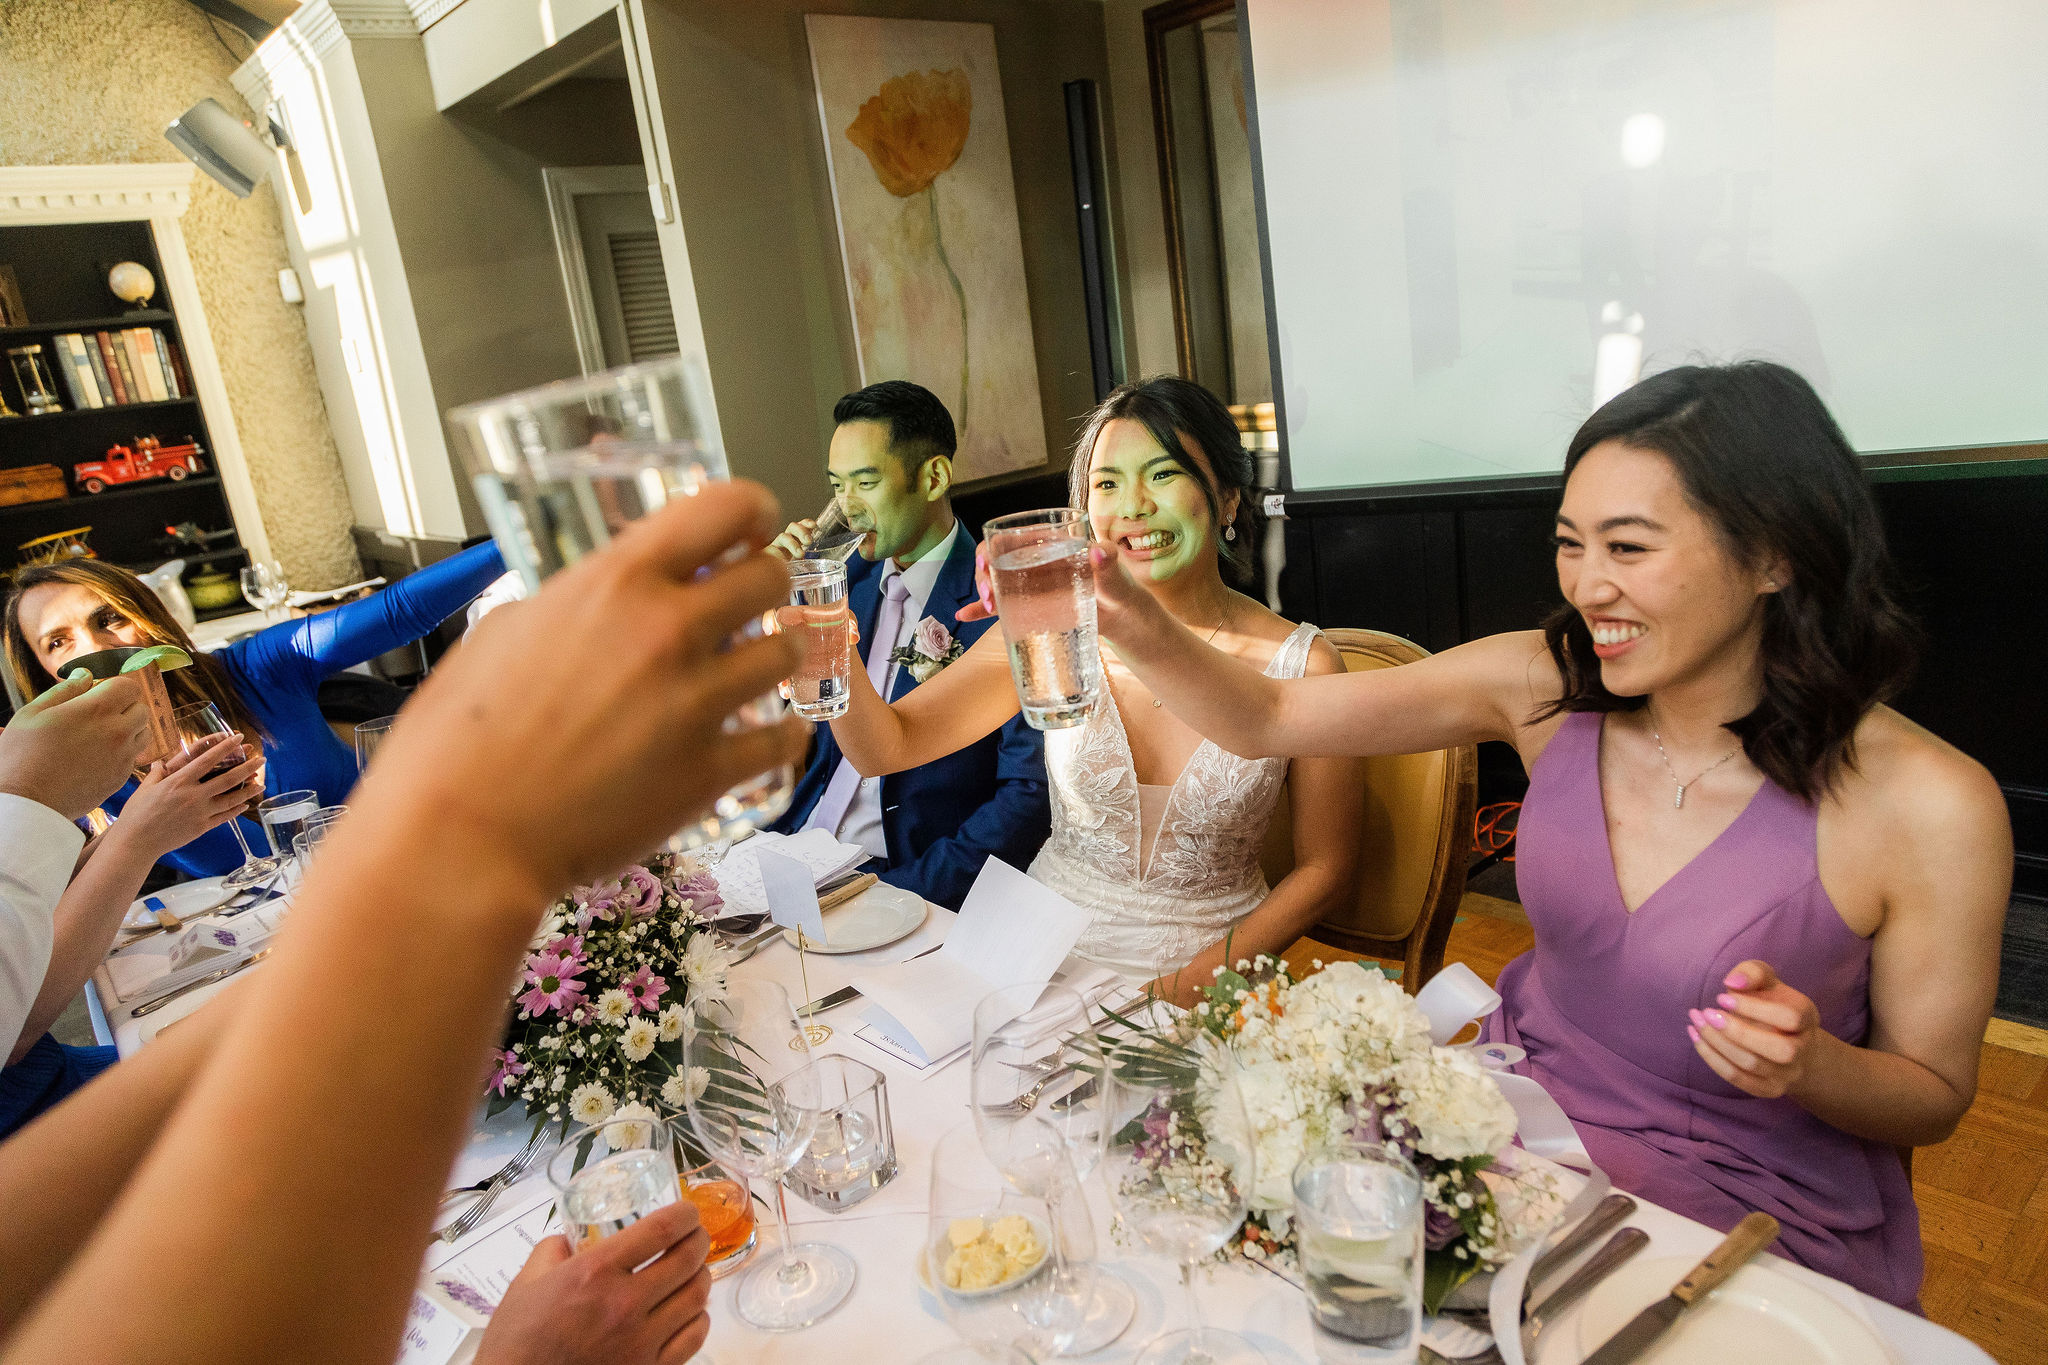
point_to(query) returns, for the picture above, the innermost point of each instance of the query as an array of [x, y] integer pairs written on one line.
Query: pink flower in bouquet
[[702, 893], [932, 639], [552, 983], [644, 989], [635, 893], [510, 1068]]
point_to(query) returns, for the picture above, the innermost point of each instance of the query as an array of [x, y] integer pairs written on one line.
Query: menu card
[[1012, 931], [739, 876]]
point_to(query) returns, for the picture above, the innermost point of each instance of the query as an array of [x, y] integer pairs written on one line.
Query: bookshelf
[[61, 228]]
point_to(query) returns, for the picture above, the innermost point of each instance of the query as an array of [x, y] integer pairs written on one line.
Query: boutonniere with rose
[[931, 648]]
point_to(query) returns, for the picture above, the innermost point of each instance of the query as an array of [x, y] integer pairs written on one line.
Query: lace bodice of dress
[[1201, 872]]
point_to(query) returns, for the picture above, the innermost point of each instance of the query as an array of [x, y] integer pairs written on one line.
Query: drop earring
[[1230, 533]]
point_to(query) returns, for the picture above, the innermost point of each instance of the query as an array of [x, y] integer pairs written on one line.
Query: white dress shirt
[[38, 849], [863, 822]]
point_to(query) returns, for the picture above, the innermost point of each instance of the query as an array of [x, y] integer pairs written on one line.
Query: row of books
[[108, 369]]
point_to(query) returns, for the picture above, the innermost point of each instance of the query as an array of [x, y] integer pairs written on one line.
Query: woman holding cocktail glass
[[265, 687], [1154, 830]]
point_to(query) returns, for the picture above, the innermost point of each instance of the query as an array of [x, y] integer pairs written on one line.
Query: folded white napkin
[[153, 963], [739, 876]]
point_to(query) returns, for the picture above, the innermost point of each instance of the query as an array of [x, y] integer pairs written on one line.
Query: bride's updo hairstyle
[[1759, 456], [1168, 407]]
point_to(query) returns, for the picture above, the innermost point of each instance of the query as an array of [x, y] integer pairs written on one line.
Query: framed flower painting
[[912, 115]]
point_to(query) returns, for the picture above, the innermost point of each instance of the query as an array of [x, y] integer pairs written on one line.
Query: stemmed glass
[[194, 724], [990, 1249], [753, 1102], [263, 584], [1035, 1066], [1179, 1172]]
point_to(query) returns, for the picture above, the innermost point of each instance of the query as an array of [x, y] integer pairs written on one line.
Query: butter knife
[[843, 995], [157, 1002], [1751, 1235]]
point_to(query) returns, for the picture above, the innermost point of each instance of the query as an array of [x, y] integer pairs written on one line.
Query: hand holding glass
[[612, 1174], [194, 724], [817, 614], [1045, 590], [560, 470]]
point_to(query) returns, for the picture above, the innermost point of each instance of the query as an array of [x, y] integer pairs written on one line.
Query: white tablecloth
[[890, 1317]]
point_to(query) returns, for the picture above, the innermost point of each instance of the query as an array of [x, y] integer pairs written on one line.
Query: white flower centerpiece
[[1344, 1056], [598, 1008]]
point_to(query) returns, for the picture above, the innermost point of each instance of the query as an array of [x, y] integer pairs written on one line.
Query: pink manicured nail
[[1726, 1002], [1692, 1033], [1737, 981], [1695, 1016], [1717, 1019]]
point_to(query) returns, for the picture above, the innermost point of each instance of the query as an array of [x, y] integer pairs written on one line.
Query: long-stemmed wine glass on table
[[753, 1102], [194, 724], [1035, 1067], [562, 469], [1179, 1171]]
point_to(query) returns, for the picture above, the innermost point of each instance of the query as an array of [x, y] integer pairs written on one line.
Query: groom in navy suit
[[929, 829]]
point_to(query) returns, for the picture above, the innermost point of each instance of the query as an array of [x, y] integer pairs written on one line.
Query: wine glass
[[753, 1101], [1036, 1065], [1179, 1172], [263, 587], [194, 723], [990, 1253]]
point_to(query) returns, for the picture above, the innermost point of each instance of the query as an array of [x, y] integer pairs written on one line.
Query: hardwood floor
[[1983, 1194]]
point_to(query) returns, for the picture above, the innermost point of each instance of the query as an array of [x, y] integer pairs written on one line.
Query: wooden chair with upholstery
[[1416, 843]]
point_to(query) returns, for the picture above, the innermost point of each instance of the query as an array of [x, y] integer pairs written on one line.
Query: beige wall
[[741, 119], [1141, 216], [95, 83]]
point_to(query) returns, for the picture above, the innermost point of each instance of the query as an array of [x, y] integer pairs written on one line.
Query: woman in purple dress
[[1767, 906]]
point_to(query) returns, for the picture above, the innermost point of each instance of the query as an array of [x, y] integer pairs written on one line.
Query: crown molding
[[95, 194], [316, 29], [426, 13]]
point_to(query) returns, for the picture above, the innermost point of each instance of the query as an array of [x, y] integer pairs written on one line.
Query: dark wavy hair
[[920, 428], [1760, 457], [1168, 406]]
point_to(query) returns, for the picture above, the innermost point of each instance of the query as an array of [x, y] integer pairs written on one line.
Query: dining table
[[890, 1316]]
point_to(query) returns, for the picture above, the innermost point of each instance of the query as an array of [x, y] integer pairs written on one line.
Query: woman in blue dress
[[266, 686]]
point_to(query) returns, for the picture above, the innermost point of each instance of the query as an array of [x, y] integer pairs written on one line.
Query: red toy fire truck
[[147, 460]]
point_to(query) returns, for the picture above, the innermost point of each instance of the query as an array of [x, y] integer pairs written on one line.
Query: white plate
[[1757, 1314], [881, 914], [183, 900], [1038, 1229]]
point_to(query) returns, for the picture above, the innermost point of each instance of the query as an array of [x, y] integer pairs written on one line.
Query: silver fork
[[510, 1172], [1023, 1103]]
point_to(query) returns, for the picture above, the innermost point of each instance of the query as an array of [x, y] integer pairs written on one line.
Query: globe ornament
[[132, 284]]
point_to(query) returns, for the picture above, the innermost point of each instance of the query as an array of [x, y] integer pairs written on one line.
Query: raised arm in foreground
[[521, 768]]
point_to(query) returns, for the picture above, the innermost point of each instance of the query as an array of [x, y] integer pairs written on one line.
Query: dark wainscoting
[[1442, 567]]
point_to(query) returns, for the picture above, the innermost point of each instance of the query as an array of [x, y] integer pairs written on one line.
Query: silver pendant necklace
[[1210, 641], [1678, 800]]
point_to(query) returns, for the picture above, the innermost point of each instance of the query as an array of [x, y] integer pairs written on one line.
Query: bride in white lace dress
[[1154, 829]]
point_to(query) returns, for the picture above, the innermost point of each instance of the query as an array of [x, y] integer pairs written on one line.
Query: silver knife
[[157, 1002], [1755, 1232], [826, 1002], [1607, 1214]]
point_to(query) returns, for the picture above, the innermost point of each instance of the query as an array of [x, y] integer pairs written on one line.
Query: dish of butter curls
[[986, 1254]]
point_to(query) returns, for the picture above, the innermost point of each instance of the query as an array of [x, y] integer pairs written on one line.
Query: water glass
[[612, 1174], [284, 817], [561, 469], [370, 734], [1358, 1224], [817, 613], [1045, 590], [852, 1152], [836, 538], [726, 1210]]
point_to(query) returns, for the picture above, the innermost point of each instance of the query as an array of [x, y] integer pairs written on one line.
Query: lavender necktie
[[831, 809]]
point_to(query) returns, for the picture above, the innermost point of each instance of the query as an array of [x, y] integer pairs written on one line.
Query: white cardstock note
[[1012, 931], [792, 895]]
